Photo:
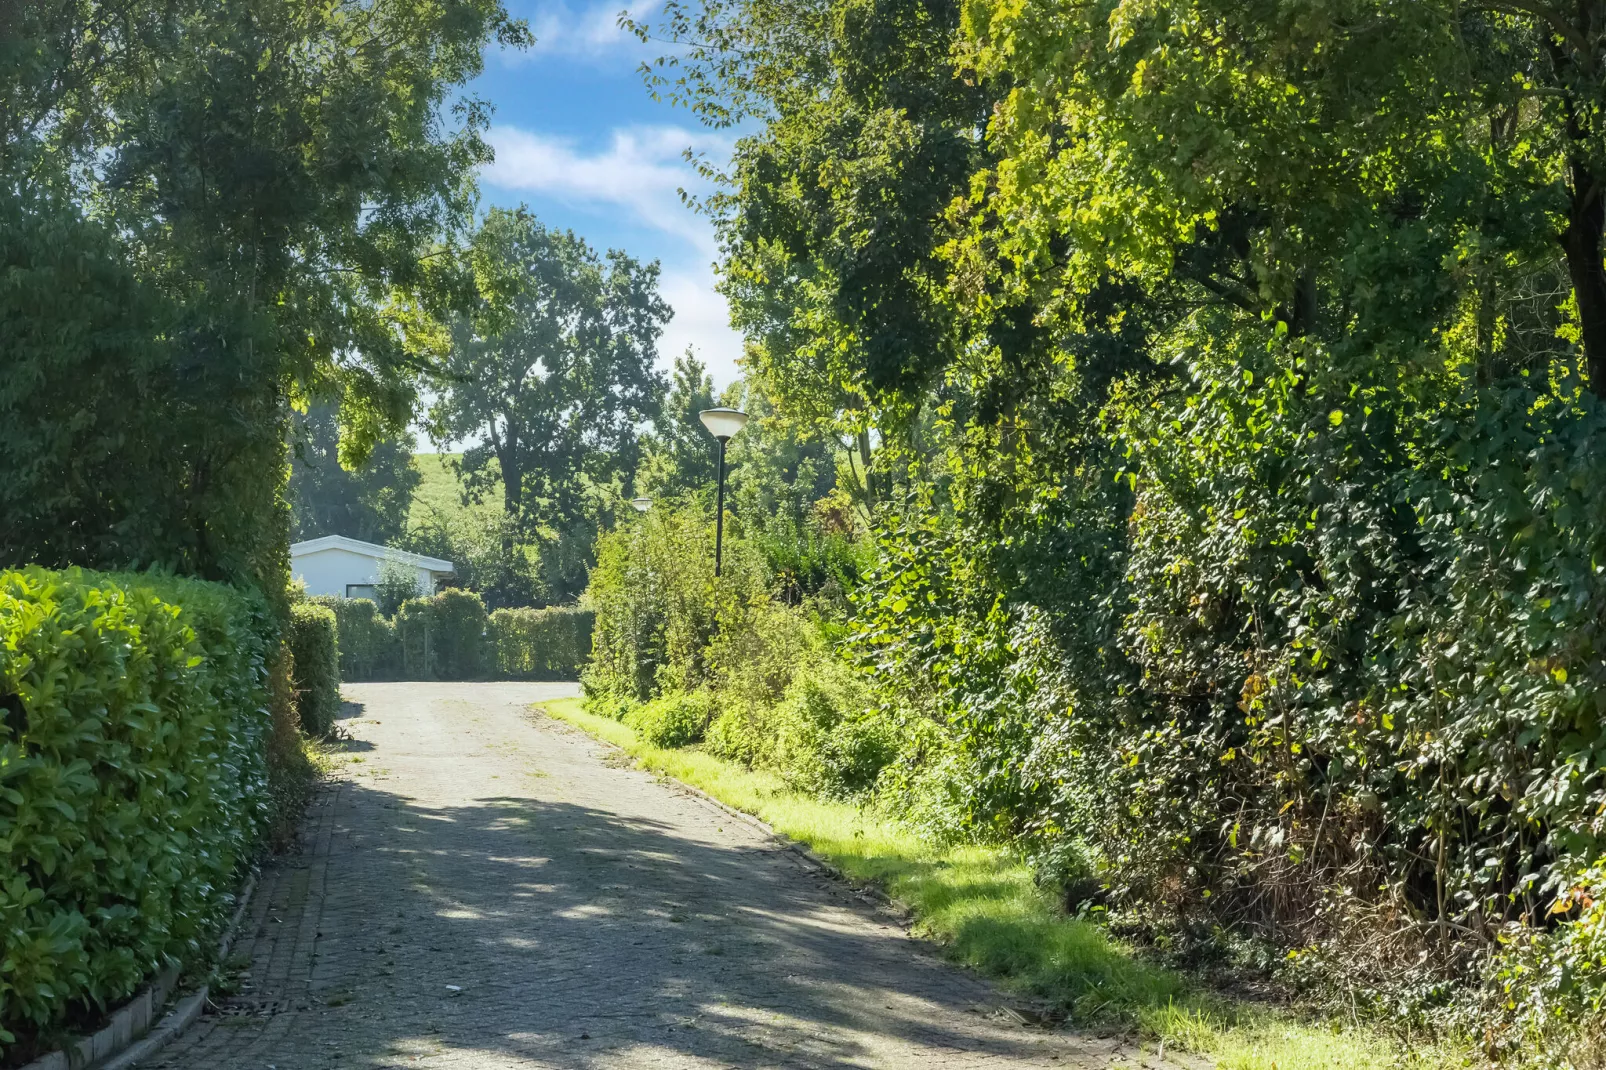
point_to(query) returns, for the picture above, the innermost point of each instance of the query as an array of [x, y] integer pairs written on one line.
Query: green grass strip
[[982, 906]]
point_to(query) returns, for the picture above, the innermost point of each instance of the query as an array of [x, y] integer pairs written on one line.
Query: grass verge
[[982, 906]]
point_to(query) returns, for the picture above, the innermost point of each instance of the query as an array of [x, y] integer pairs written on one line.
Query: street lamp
[[723, 424], [641, 504]]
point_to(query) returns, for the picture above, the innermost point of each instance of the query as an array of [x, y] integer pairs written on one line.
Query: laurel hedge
[[133, 781]]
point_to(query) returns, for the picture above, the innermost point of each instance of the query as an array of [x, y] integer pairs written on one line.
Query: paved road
[[484, 888]]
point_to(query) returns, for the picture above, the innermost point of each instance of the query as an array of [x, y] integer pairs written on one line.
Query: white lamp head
[[723, 423], [641, 504]]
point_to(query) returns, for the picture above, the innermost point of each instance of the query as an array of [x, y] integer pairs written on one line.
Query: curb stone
[[128, 1037]]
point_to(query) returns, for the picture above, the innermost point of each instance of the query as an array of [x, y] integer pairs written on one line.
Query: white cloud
[[702, 321], [641, 170], [589, 32]]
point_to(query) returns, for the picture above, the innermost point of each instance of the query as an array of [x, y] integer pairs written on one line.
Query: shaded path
[[485, 888]]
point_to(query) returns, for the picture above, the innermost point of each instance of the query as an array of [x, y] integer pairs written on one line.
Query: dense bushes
[[132, 779], [683, 659], [1315, 670], [367, 641], [1322, 668], [541, 644], [315, 666], [449, 637], [678, 719]]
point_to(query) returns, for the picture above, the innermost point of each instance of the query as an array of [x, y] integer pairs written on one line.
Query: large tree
[[679, 456], [369, 501], [551, 378], [833, 213], [213, 210]]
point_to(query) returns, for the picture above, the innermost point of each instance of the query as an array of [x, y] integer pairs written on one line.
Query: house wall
[[330, 570]]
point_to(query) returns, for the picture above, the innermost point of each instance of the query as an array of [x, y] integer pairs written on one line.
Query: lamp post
[[723, 424], [641, 505]]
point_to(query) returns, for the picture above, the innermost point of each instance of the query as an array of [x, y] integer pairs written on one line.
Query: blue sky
[[579, 140]]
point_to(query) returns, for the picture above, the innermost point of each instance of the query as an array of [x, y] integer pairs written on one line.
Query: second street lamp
[[723, 424], [641, 505]]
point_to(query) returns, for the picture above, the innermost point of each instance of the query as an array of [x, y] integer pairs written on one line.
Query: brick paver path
[[484, 888]]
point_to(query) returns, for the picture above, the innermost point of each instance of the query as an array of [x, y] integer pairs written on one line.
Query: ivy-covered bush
[[443, 637], [133, 782], [1314, 655], [540, 644], [368, 644], [315, 666]]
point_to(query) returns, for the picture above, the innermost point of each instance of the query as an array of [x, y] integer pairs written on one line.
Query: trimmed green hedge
[[443, 637], [315, 667], [541, 644], [133, 784], [368, 644], [449, 637]]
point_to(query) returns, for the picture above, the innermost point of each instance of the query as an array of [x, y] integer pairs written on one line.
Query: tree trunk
[[1581, 240], [864, 457], [512, 486]]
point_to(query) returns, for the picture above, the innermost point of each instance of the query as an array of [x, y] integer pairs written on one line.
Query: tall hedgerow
[[133, 780], [315, 659]]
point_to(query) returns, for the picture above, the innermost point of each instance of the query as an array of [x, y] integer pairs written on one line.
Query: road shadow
[[548, 933]]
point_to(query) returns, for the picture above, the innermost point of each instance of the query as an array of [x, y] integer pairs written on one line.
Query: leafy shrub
[[678, 719], [368, 644], [443, 637], [133, 784], [657, 605], [824, 738], [398, 583], [734, 736], [541, 644], [1550, 981], [315, 665]]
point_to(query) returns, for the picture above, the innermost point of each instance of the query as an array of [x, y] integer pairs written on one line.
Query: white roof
[[368, 549]]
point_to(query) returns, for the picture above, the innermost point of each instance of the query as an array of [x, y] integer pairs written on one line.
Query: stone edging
[[128, 1038]]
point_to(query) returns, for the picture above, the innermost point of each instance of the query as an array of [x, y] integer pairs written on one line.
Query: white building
[[349, 568]]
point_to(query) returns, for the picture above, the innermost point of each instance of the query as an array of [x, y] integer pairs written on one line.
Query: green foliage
[[133, 785], [367, 642], [835, 218], [398, 583], [369, 502], [676, 719], [678, 655], [444, 637], [541, 644], [315, 654], [827, 741], [657, 605], [209, 210], [1553, 979], [552, 374]]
